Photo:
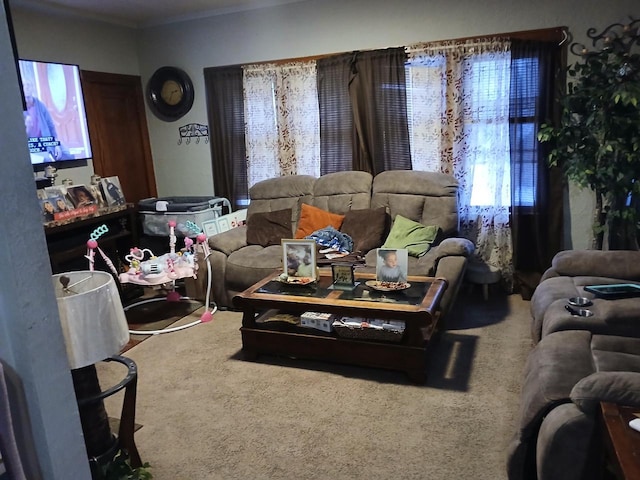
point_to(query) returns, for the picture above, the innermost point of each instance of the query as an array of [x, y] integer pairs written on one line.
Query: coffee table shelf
[[417, 307]]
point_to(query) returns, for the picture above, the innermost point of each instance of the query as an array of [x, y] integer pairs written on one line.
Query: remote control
[[635, 424]]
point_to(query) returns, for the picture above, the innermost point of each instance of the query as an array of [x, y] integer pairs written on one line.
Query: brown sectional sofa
[[425, 197], [576, 363], [570, 272]]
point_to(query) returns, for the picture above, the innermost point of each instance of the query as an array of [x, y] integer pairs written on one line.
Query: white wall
[[289, 31]]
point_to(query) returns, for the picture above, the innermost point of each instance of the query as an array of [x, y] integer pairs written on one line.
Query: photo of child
[[299, 258], [48, 209], [81, 196], [392, 265], [97, 194], [299, 261], [60, 204]]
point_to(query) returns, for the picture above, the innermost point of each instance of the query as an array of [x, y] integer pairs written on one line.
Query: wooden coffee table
[[416, 306]]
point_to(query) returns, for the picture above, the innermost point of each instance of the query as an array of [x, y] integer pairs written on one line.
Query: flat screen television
[[55, 119]]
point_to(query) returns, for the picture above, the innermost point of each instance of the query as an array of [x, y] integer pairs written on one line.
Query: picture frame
[[47, 209], [60, 203], [392, 265], [96, 191], [299, 258], [56, 190], [343, 275], [112, 191], [81, 196], [223, 224], [210, 227]]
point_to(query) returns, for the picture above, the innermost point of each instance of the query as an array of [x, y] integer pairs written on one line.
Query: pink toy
[[149, 270]]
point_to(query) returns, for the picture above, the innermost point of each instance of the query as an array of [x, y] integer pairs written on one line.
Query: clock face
[[170, 93]]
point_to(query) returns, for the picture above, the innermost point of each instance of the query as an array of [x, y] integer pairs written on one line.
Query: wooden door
[[118, 131]]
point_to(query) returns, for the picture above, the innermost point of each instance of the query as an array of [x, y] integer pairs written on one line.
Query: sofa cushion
[[413, 236], [314, 218], [366, 227], [340, 192], [251, 264], [269, 228], [426, 197]]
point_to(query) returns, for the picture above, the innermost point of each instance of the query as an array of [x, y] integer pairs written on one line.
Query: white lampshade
[[93, 320]]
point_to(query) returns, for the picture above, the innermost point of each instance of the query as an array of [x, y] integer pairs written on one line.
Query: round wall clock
[[170, 93]]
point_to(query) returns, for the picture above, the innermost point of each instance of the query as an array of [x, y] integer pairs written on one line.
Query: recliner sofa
[[576, 363], [429, 198]]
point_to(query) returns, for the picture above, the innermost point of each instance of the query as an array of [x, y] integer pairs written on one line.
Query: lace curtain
[[459, 124], [282, 120]]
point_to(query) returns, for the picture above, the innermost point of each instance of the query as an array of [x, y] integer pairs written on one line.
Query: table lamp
[[95, 329]]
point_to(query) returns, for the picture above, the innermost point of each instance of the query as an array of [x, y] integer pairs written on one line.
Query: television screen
[[55, 119]]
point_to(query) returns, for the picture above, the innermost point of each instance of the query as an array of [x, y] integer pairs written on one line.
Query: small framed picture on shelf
[[61, 204], [97, 194], [48, 209], [112, 191], [56, 190], [81, 196], [299, 258], [343, 276], [57, 193]]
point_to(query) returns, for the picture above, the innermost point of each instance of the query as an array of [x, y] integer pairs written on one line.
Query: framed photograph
[[59, 192], [223, 224], [112, 191], [48, 209], [61, 204], [55, 191], [299, 258], [81, 196], [392, 265], [97, 194], [343, 276], [210, 227]]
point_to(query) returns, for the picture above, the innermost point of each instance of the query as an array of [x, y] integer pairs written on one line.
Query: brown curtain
[[337, 132], [537, 190], [225, 112], [377, 91]]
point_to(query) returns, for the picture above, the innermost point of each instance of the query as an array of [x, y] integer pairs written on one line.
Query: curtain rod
[[549, 34]]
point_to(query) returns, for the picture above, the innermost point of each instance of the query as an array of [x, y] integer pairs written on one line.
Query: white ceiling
[[143, 13]]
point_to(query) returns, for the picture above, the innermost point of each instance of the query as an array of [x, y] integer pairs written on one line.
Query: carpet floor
[[155, 313], [208, 414]]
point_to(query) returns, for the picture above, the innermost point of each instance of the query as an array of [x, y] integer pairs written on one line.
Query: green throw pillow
[[413, 236]]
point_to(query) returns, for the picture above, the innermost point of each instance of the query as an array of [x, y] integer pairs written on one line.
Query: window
[[524, 112], [480, 104]]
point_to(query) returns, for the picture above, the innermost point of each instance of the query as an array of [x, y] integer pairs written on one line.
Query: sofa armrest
[[614, 387], [229, 241], [454, 246], [451, 268], [622, 264]]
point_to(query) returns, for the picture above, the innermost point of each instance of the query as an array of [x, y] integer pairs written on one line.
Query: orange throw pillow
[[314, 218]]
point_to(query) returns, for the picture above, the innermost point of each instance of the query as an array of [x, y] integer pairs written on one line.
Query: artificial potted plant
[[120, 469], [597, 142]]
